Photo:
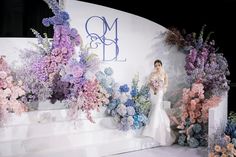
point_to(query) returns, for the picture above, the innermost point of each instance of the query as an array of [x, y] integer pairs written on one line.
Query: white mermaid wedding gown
[[158, 127]]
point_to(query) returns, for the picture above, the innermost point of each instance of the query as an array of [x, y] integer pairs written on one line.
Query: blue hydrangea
[[100, 75], [124, 88], [136, 125], [108, 71], [134, 92], [231, 129], [203, 142], [112, 105], [104, 83], [234, 141], [181, 140], [197, 128], [116, 101], [143, 118], [109, 90], [110, 81], [193, 143], [130, 102], [135, 117]]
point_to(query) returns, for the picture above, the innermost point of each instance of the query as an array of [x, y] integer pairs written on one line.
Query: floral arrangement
[[193, 122], [55, 71], [10, 93], [129, 108], [207, 73], [225, 144], [203, 63], [157, 84]]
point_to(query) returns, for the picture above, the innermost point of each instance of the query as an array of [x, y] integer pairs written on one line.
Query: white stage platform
[[48, 133]]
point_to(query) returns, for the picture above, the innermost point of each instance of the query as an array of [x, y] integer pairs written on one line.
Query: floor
[[173, 151]]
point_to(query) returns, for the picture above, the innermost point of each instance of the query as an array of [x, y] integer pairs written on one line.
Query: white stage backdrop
[[127, 43]]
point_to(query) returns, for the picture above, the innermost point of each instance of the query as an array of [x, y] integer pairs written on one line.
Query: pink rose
[[58, 59], [9, 80], [3, 74]]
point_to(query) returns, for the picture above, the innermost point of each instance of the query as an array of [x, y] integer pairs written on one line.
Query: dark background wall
[[18, 16]]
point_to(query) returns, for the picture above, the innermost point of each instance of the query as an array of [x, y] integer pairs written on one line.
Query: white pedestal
[[218, 118]]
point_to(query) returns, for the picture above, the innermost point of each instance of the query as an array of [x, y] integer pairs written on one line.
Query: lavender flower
[[64, 15], [121, 109], [46, 22], [130, 110], [53, 4]]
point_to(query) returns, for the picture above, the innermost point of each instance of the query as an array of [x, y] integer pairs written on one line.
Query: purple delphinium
[[205, 65]]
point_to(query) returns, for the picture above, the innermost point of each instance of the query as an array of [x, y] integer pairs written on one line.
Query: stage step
[[37, 130], [95, 150], [49, 116], [77, 140]]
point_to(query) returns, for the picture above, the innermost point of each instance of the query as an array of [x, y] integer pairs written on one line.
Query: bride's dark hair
[[157, 61]]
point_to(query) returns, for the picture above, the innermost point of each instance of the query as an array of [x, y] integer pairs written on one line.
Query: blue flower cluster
[[106, 80], [196, 136], [58, 19], [129, 108], [124, 88], [230, 129]]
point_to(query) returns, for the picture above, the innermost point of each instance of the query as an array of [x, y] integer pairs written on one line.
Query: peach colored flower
[[217, 148], [223, 155], [230, 146], [234, 152], [223, 150], [211, 154]]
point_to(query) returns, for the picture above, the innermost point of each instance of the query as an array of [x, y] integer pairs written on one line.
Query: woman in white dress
[[159, 124]]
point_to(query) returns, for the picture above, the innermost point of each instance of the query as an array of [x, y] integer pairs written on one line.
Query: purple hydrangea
[[130, 110]]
